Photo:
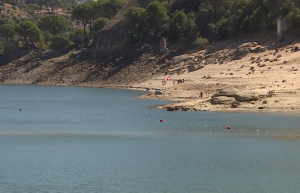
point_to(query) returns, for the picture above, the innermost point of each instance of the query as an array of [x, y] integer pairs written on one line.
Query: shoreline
[[262, 79], [283, 111]]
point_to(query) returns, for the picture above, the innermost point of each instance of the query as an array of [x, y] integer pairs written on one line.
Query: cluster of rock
[[233, 97], [230, 96], [212, 57], [181, 108]]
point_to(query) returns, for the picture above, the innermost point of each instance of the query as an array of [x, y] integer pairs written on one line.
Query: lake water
[[89, 140]]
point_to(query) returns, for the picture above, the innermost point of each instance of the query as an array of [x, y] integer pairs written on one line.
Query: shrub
[[61, 42], [47, 36], [42, 45], [8, 11], [14, 7], [19, 15], [34, 6], [18, 21], [30, 11], [200, 42], [3, 20], [76, 33], [3, 47]]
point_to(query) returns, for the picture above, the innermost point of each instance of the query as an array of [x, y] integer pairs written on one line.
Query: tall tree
[[92, 13], [79, 13], [55, 24], [155, 15], [54, 3], [28, 30], [41, 3], [7, 31]]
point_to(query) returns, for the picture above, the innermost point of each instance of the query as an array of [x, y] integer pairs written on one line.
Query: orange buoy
[[228, 127], [160, 120]]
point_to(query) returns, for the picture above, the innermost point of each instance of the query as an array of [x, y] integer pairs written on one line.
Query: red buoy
[[228, 127], [160, 120]]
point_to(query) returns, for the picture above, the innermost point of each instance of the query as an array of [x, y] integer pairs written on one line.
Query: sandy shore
[[224, 66], [272, 70]]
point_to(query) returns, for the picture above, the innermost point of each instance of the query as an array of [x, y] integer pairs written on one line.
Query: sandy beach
[[274, 71]]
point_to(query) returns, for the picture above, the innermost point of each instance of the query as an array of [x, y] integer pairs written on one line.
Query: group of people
[[179, 81]]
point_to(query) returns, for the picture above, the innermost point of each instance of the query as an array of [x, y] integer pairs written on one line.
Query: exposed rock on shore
[[240, 96], [222, 100]]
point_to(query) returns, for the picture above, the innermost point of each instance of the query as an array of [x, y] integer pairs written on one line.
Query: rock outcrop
[[240, 96], [222, 100]]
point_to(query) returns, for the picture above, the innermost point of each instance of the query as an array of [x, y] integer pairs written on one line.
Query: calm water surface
[[86, 140]]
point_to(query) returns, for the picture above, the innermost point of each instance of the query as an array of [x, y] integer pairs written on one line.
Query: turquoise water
[[69, 139]]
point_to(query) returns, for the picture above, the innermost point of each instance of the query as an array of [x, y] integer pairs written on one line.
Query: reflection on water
[[105, 140]]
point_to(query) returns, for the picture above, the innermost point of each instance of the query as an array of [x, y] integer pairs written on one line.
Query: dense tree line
[[195, 20], [212, 19]]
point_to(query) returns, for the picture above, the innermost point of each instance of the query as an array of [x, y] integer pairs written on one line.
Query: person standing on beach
[[201, 94]]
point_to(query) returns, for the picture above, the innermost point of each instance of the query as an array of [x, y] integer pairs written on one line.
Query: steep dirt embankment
[[247, 69]]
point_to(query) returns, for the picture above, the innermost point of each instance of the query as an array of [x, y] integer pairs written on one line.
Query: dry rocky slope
[[233, 75]]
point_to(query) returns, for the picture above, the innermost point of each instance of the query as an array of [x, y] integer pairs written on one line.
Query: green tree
[[176, 27], [99, 24], [256, 21], [7, 31], [54, 3], [144, 3], [79, 13], [41, 3], [109, 8], [286, 8], [134, 15], [293, 18], [273, 6], [155, 15], [187, 5], [55, 24], [47, 36], [28, 30], [76, 33], [92, 13], [215, 5]]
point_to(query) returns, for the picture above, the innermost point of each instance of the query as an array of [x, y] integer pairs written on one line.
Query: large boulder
[[240, 53], [193, 67], [222, 100], [181, 58], [240, 96], [248, 45]]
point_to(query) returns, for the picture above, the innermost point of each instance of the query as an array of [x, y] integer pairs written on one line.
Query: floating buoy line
[[197, 125]]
